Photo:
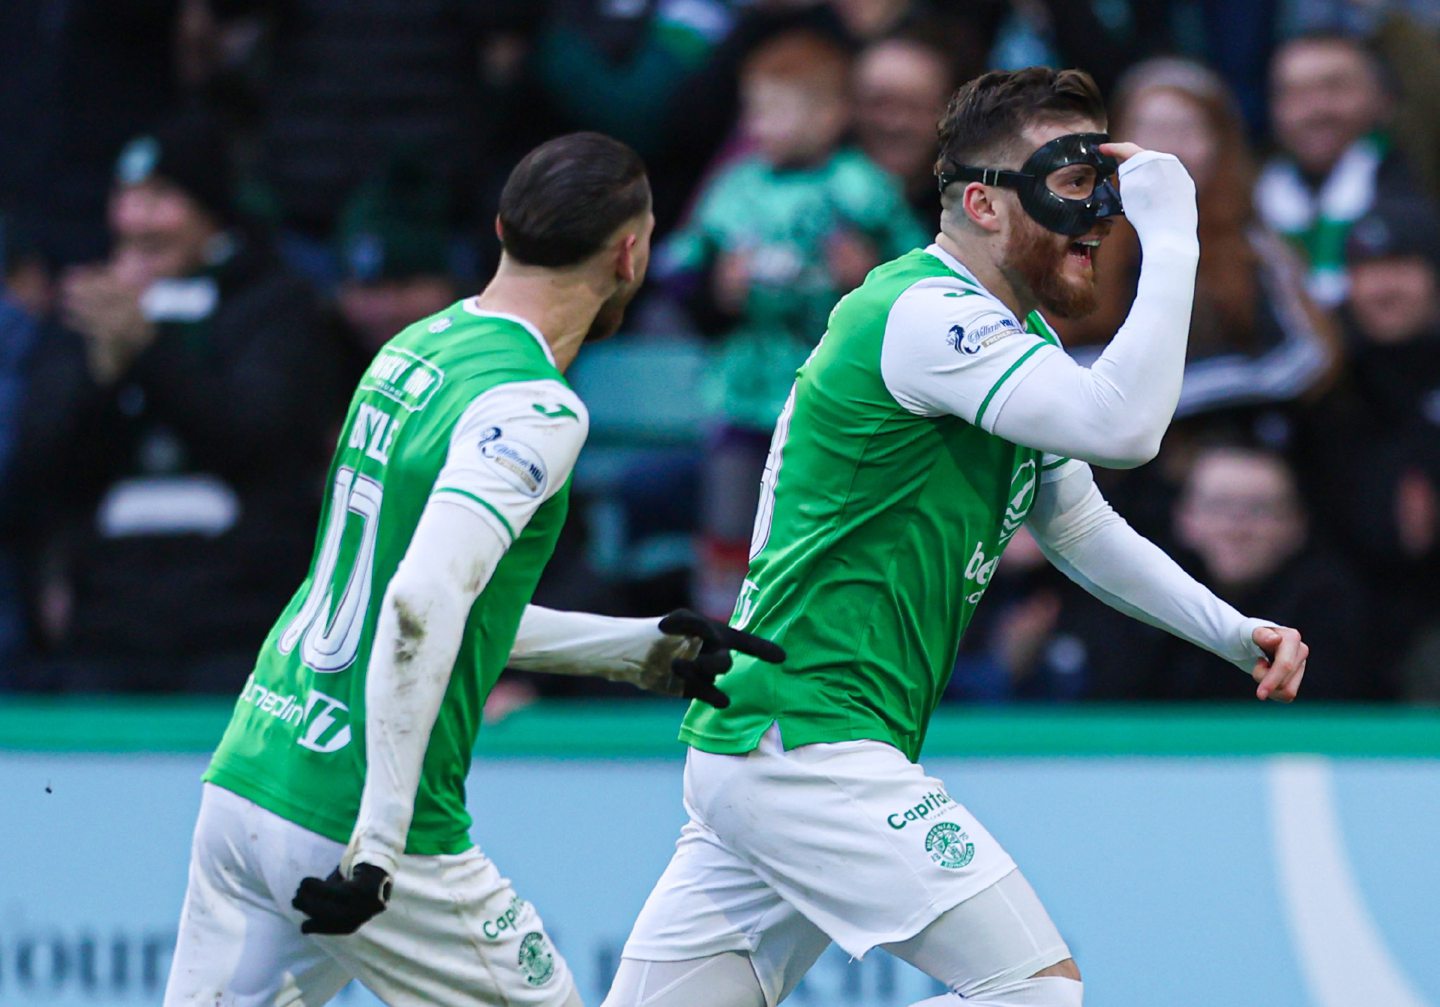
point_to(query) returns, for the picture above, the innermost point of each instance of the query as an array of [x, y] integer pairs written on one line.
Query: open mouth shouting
[[1084, 250]]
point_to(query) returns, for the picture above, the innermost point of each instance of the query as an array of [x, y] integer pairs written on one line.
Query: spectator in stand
[[161, 436], [1014, 647], [901, 87], [1330, 112], [1241, 515], [349, 84], [1255, 336], [966, 35], [394, 236], [700, 126], [1258, 343], [776, 238], [1241, 527], [1371, 448], [629, 70], [77, 79], [26, 274], [1410, 51]]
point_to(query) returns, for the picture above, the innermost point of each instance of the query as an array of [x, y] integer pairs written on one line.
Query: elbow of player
[[1131, 446]]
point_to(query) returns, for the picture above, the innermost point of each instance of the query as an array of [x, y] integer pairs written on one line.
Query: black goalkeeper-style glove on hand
[[698, 673], [339, 905]]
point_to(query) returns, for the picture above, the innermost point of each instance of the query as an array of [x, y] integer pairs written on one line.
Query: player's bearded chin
[[1037, 258], [611, 314]]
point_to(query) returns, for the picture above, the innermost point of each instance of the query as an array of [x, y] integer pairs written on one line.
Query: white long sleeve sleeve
[[505, 459], [952, 348], [451, 558], [620, 650], [581, 643], [1092, 545], [1115, 412]]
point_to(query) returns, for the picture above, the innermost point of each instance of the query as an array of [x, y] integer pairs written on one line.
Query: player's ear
[[499, 228], [980, 208], [626, 264]]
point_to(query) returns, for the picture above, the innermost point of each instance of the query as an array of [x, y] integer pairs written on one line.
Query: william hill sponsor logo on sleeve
[[974, 339]]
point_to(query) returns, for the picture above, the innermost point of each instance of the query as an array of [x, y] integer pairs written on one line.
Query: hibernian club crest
[[949, 846], [537, 961]]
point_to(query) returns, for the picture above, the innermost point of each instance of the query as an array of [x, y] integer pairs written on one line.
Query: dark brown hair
[[986, 115], [567, 197]]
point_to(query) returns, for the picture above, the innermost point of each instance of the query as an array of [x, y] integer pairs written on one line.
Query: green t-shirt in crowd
[[783, 219]]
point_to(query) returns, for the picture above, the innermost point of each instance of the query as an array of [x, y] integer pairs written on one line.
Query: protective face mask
[[1039, 177]]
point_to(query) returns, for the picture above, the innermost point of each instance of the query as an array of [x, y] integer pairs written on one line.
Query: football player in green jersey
[[937, 415], [333, 840]]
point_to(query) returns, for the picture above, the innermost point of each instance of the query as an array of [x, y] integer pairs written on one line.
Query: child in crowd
[[776, 237]]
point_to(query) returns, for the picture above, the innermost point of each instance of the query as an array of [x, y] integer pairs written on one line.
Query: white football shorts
[[787, 851], [455, 933]]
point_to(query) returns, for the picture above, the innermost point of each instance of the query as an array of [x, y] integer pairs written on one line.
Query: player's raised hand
[[698, 667], [339, 905], [1159, 198], [1280, 671]]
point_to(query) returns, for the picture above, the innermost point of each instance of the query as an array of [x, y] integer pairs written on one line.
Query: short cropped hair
[[566, 197], [986, 115]]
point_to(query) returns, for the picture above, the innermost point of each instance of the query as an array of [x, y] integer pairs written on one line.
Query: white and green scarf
[[1317, 221]]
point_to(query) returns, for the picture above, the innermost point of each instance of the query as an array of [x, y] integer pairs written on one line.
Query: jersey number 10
[[329, 633]]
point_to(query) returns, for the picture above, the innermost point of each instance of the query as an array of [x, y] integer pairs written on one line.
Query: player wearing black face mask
[[1047, 191], [937, 416]]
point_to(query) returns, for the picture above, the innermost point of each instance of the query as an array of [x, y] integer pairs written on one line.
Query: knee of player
[[1056, 985], [1060, 970]]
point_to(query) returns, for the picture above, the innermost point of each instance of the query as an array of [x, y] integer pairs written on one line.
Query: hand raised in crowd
[[106, 312], [1417, 513], [1022, 633], [850, 257], [730, 283]]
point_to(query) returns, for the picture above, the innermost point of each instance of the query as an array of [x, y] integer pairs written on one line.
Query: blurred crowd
[[213, 212]]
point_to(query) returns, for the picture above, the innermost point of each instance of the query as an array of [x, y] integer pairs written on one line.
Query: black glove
[[339, 905], [717, 640]]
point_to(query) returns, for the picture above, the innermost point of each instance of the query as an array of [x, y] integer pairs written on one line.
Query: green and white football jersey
[[782, 220], [884, 508], [464, 406]]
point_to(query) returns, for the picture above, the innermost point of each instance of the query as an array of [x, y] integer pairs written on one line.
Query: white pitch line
[[1342, 956]]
